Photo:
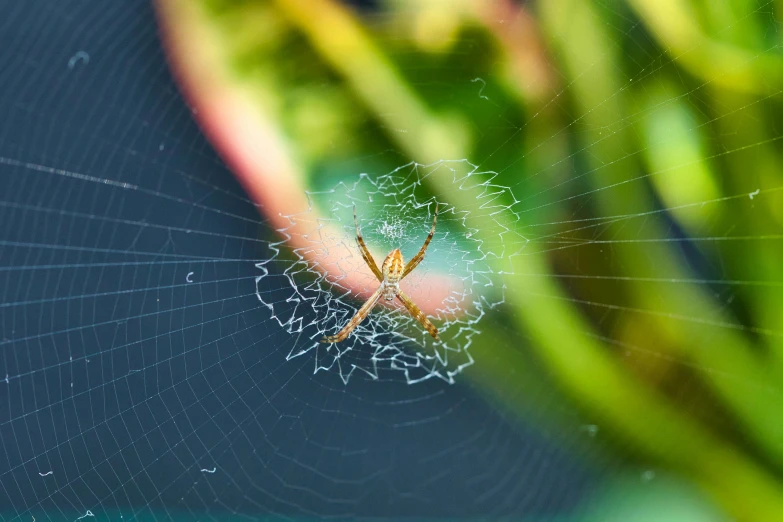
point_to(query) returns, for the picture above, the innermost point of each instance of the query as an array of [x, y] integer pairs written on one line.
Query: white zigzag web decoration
[[394, 210]]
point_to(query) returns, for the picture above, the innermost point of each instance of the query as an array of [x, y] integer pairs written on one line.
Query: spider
[[391, 273]]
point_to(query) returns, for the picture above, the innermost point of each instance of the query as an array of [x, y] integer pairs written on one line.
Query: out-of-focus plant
[[638, 132]]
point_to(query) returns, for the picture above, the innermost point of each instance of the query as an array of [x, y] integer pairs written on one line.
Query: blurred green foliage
[[643, 142]]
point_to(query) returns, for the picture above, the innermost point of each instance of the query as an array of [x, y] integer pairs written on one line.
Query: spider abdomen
[[393, 266]]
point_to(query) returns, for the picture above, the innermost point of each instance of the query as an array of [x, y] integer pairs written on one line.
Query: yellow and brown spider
[[392, 272]]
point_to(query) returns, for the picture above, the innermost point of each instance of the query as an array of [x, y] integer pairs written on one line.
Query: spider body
[[392, 271]]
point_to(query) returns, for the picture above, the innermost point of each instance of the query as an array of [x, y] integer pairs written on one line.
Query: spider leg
[[415, 260], [418, 314], [356, 319], [365, 252]]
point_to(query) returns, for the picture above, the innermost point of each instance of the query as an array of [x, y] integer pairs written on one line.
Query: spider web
[[159, 354], [390, 338]]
